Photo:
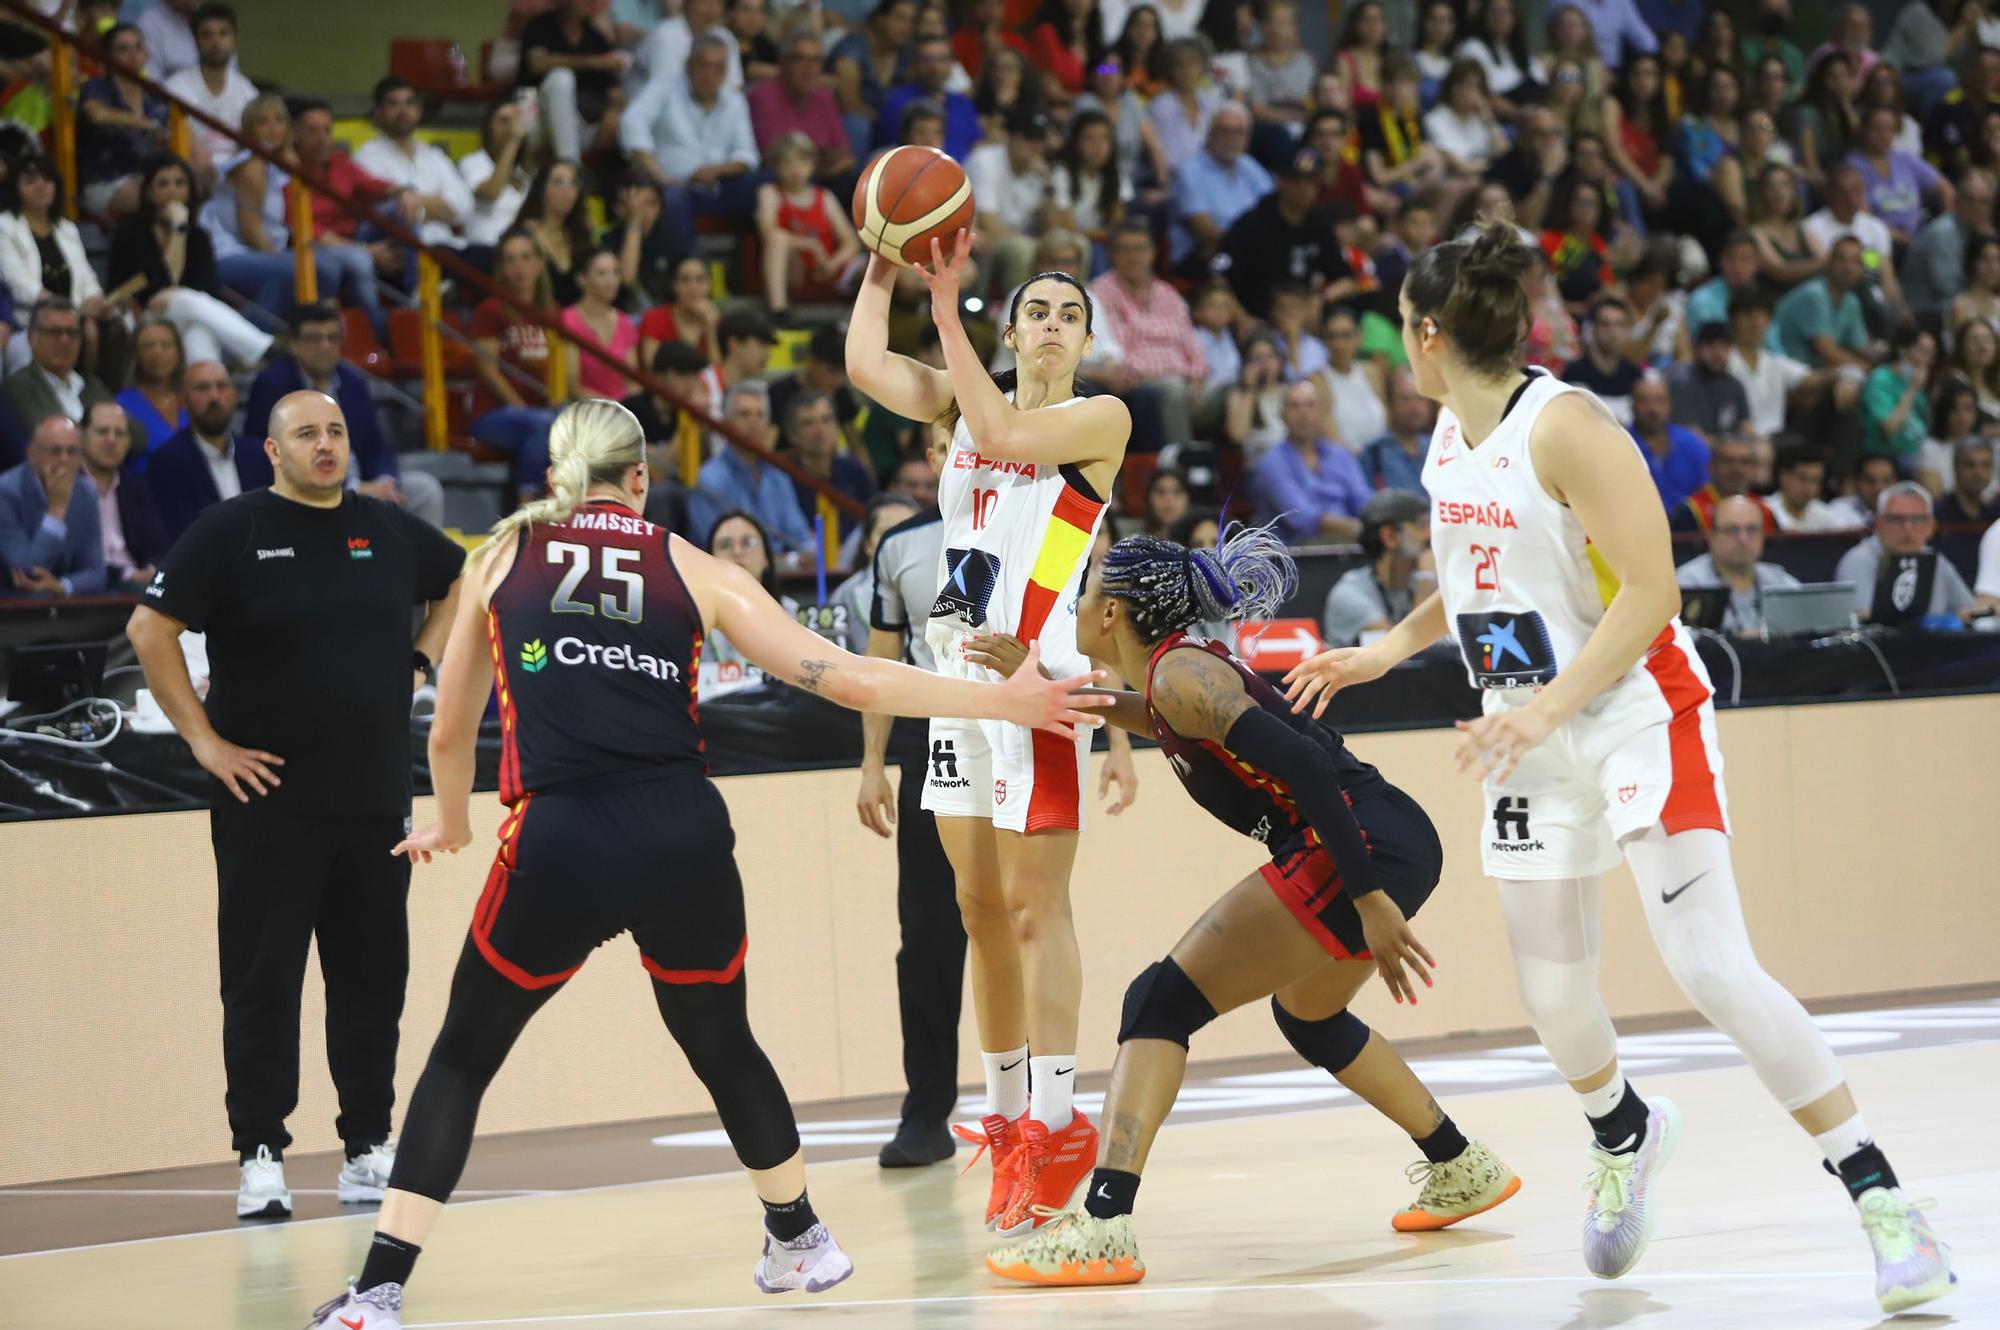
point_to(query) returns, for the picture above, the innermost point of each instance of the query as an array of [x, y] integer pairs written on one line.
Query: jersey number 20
[[1486, 567], [633, 608]]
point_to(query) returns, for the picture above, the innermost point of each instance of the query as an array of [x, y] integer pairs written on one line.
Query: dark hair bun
[[1495, 254]]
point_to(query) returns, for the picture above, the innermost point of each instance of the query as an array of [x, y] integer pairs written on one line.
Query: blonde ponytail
[[595, 441]]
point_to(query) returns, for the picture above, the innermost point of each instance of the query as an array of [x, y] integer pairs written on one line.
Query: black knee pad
[[1163, 1003], [1332, 1043]]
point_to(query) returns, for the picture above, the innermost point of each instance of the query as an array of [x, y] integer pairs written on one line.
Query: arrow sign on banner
[[1274, 645]]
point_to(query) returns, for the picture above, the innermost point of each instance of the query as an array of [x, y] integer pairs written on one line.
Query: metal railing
[[433, 263]]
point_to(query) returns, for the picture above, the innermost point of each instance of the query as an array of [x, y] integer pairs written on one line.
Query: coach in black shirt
[[306, 593]]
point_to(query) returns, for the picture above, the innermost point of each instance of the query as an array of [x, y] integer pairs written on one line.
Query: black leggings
[[488, 1013]]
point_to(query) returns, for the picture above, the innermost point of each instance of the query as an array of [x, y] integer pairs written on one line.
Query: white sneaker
[[261, 1193], [380, 1308], [1911, 1265], [812, 1261], [1618, 1223], [366, 1176]]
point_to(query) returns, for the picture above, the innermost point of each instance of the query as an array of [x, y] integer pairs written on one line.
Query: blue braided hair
[[1167, 587]]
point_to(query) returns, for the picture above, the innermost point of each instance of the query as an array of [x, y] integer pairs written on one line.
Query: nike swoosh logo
[[351, 1325], [1009, 1066], [1064, 1071], [1669, 897]]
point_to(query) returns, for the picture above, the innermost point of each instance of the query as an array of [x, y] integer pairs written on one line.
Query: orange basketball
[[905, 197]]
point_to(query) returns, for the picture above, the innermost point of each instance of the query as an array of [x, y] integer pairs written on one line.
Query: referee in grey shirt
[[930, 964]]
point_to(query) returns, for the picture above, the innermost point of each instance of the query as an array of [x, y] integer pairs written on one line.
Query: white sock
[[1599, 1102], [1007, 1082], [1842, 1142], [1052, 1081]]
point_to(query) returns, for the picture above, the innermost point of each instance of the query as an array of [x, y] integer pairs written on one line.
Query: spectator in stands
[[664, 53], [168, 265], [213, 83], [50, 384], [930, 67], [1412, 230], [347, 250], [1530, 169], [749, 23], [1731, 467], [49, 537], [42, 256], [1844, 215], [738, 479], [206, 462], [1819, 322], [497, 176], [510, 412], [690, 316], [128, 519], [1167, 500], [824, 370], [1797, 506], [571, 56], [1768, 377], [443, 201], [1183, 114], [1006, 85], [1978, 298], [1373, 597], [123, 128], [554, 217], [671, 432], [1706, 396], [312, 360], [1156, 335], [153, 404], [1280, 74], [168, 29], [1734, 560], [1309, 485], [746, 337], [694, 141], [1967, 504], [1462, 126], [1935, 269], [1214, 187], [1284, 237], [1067, 40], [1736, 272], [1253, 407], [1895, 183], [1604, 369], [1873, 473], [1676, 455], [915, 479], [814, 432], [800, 101], [1395, 460], [1904, 525], [1215, 312], [644, 243], [1579, 255], [1010, 181], [865, 64], [1088, 190], [1354, 387], [595, 320], [1895, 410], [742, 539]]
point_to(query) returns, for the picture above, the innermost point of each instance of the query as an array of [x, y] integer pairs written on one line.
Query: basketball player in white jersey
[[1021, 493], [1556, 580]]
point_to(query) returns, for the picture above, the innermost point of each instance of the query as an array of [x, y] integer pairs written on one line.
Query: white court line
[[231, 1191], [1141, 1291]]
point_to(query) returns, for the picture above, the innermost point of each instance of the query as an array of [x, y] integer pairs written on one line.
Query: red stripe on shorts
[[1055, 803], [726, 975], [1691, 800]]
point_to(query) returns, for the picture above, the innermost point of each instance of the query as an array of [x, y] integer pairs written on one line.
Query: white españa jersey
[[1016, 536], [1015, 540], [1523, 590]]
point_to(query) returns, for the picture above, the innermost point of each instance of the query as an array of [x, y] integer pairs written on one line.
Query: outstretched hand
[[943, 277], [1059, 706], [1312, 683]]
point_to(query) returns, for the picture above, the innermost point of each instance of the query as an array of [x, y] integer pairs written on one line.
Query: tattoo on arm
[[1122, 1151], [812, 673], [1199, 695]]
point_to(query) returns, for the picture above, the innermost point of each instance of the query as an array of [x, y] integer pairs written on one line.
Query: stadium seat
[[435, 67]]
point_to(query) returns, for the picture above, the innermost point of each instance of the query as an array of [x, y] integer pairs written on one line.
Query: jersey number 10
[[983, 504], [633, 607]]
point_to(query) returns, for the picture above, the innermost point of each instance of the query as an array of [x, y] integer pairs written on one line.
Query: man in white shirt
[[1904, 524], [1770, 377], [169, 35], [665, 50], [398, 157], [1010, 180], [1844, 215], [213, 83], [1873, 473], [693, 139], [1796, 506], [1735, 550]]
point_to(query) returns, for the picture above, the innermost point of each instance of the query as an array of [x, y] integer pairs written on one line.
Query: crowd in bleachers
[[1767, 240]]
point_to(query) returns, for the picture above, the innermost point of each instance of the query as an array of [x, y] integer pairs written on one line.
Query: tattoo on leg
[[1437, 1114], [1123, 1147], [812, 673]]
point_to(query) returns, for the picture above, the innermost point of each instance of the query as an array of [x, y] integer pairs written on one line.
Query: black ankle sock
[[790, 1219], [1623, 1129], [245, 1156], [1446, 1142], [1113, 1192], [390, 1261], [1865, 1168]]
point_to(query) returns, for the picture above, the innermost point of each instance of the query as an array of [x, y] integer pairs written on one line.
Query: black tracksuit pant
[[930, 964], [283, 879]]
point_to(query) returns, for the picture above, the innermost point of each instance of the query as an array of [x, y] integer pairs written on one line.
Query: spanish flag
[[1065, 542]]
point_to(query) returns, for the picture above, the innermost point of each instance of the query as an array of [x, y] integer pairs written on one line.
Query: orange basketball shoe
[[1049, 1167], [1001, 1136]]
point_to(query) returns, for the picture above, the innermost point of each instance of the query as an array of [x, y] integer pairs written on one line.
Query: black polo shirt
[[1262, 249], [308, 617]]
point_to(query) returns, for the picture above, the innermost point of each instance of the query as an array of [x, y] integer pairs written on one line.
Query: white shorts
[[1024, 780], [1644, 752]]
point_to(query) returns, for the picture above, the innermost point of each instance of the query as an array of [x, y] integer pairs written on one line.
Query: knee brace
[[1331, 1044], [1163, 1003]]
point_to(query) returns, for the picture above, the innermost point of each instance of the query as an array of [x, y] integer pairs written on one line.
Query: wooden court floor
[[1271, 1221]]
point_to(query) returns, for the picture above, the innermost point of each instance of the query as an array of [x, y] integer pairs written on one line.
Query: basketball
[[907, 196]]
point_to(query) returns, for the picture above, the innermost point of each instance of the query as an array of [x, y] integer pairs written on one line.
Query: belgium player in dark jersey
[[1352, 858], [588, 620]]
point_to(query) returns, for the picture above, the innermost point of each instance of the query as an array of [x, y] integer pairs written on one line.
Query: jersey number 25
[[633, 607]]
